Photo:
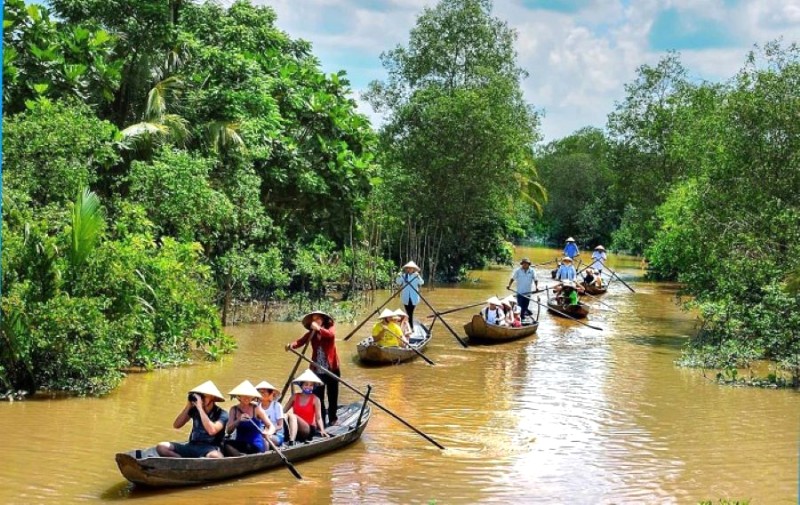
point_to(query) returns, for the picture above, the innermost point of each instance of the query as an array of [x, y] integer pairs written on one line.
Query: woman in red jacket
[[322, 333]]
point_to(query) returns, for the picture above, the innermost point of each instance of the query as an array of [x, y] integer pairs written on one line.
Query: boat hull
[[370, 353], [480, 332], [144, 467], [575, 311]]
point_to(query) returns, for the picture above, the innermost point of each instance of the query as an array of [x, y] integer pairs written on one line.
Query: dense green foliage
[[457, 141], [222, 165], [703, 178]]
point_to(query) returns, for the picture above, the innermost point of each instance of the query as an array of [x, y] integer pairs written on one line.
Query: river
[[572, 415]]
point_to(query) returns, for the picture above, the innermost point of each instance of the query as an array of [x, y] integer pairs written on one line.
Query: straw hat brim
[[400, 313], [246, 388], [413, 265], [386, 314], [307, 376], [210, 389], [494, 301], [307, 318], [265, 385]]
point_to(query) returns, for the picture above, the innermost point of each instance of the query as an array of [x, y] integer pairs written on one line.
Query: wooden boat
[[579, 311], [144, 466], [593, 290], [478, 330], [369, 352]]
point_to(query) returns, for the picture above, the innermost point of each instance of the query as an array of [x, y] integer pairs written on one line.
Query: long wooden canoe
[[144, 467], [579, 311], [593, 290], [369, 352], [478, 330]]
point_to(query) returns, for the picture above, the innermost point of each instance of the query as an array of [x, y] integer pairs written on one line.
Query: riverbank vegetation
[[702, 178], [166, 161]]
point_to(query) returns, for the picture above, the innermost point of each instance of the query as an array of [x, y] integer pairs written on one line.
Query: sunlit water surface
[[572, 415]]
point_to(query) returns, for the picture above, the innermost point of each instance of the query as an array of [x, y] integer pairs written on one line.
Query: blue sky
[[579, 54]]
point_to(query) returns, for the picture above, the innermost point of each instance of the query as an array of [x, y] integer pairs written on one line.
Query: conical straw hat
[[386, 314], [567, 258], [570, 239], [494, 301], [411, 264], [400, 313], [265, 385], [307, 318], [307, 376], [208, 388], [246, 388], [599, 248]]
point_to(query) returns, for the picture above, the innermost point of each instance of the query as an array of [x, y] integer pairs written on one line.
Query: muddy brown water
[[572, 415]]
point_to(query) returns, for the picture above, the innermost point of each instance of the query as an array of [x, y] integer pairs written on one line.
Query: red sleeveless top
[[305, 412]]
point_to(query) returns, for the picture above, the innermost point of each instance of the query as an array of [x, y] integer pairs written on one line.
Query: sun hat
[[570, 239], [599, 248], [524, 260], [265, 385], [567, 258], [307, 376], [568, 283], [386, 314], [494, 301], [307, 318], [245, 388], [411, 264], [208, 388], [511, 299], [400, 313]]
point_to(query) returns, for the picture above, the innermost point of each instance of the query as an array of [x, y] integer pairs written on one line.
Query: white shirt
[[494, 316], [524, 279]]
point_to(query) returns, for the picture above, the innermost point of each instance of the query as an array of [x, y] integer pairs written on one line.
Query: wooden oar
[[344, 383], [559, 312], [450, 311], [460, 341], [419, 353], [597, 299], [294, 370], [617, 276], [280, 454], [362, 323], [545, 263]]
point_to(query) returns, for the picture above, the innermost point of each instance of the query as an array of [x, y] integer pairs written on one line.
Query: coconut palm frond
[[87, 227], [223, 135], [159, 94]]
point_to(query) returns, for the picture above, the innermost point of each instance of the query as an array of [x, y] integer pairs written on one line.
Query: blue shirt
[[408, 295], [571, 249], [566, 273], [524, 279]]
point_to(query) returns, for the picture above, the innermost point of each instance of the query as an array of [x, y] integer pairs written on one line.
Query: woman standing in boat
[[571, 249], [249, 421], [411, 282], [273, 408], [322, 334], [304, 411]]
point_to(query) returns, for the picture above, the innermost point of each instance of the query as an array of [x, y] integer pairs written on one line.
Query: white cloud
[[578, 62]]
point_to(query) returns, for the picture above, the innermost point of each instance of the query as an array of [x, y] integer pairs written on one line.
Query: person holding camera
[[208, 425]]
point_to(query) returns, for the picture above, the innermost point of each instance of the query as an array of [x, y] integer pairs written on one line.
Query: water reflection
[[571, 415]]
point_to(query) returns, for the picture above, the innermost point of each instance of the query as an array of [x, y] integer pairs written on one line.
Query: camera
[[190, 397]]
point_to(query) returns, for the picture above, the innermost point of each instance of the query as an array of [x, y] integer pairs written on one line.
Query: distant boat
[[369, 352], [146, 468], [594, 290], [479, 331]]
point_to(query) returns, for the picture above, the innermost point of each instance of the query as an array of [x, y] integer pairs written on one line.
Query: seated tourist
[[304, 410], [272, 406], [386, 332], [249, 420], [493, 312], [401, 318], [208, 425], [569, 293], [513, 311]]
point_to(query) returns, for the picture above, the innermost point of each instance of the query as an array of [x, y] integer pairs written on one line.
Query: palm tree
[[87, 228]]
